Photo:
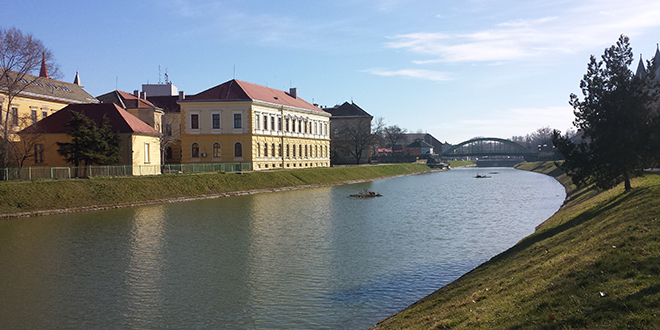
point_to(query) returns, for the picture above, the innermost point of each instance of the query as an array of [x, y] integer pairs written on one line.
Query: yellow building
[[39, 99], [140, 143], [240, 122]]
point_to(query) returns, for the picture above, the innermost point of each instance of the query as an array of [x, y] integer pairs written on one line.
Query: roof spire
[[641, 71], [77, 79], [44, 70]]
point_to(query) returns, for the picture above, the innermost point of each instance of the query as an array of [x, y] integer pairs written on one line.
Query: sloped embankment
[[59, 196], [595, 264]]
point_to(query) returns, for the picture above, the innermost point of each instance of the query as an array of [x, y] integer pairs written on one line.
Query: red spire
[[44, 69]]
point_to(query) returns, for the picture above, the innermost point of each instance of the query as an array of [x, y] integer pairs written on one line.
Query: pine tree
[[616, 120]]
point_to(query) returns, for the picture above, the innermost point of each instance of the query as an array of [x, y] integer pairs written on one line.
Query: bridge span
[[491, 152]]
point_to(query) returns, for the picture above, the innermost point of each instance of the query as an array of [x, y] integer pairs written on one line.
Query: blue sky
[[455, 69]]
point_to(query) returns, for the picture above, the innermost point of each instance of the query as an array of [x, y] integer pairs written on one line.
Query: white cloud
[[411, 73], [576, 29]]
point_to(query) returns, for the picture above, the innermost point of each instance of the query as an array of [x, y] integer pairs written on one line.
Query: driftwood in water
[[366, 194]]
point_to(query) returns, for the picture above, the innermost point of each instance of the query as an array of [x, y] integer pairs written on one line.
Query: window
[[272, 123], [279, 150], [195, 150], [217, 150], [146, 153], [194, 121], [306, 154], [238, 148], [38, 153], [294, 151], [300, 151], [168, 129], [288, 153], [33, 116], [265, 123], [238, 123], [256, 121], [279, 124], [272, 150], [265, 149], [287, 125], [216, 121], [14, 116]]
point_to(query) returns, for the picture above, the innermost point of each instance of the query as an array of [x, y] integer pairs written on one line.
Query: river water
[[305, 259]]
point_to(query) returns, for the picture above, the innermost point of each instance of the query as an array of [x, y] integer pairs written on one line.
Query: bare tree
[[20, 55], [358, 137], [30, 144], [393, 134], [171, 124]]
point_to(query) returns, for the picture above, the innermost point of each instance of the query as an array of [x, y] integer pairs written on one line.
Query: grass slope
[[594, 265], [17, 197]]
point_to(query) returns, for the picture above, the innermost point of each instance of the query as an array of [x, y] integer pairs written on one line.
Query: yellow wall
[[253, 135], [131, 151], [25, 107]]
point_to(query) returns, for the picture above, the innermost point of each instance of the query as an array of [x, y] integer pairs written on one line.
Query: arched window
[[265, 149], [217, 150], [238, 149], [258, 150], [195, 150]]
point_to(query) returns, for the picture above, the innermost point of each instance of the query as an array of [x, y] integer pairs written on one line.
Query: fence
[[32, 173]]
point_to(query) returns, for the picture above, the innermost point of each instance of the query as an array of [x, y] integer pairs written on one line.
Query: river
[[304, 259]]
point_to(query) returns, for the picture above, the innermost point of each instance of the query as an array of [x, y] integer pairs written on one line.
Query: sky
[[455, 69]]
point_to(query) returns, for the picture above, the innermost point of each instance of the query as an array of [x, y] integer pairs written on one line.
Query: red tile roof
[[120, 120], [126, 100], [241, 90]]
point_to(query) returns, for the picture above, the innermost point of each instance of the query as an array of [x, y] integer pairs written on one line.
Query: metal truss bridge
[[489, 148]]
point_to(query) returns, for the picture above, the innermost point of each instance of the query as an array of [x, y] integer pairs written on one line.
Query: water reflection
[[304, 259]]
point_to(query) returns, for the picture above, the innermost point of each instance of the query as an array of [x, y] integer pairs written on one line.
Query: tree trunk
[[626, 184]]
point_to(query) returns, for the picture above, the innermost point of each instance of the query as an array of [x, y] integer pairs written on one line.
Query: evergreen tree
[[615, 119], [89, 144]]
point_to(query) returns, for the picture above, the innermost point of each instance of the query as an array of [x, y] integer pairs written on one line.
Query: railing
[[32, 173]]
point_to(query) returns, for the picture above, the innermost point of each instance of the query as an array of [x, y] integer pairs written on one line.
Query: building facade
[[241, 122], [350, 134], [139, 141]]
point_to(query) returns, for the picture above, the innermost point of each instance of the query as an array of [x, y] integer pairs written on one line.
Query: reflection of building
[[139, 141], [350, 134], [39, 99], [240, 122]]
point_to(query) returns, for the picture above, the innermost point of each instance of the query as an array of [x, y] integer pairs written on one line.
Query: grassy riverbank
[[594, 265], [31, 196]]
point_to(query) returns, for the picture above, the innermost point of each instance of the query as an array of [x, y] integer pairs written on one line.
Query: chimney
[[143, 95], [293, 92], [136, 93], [182, 95]]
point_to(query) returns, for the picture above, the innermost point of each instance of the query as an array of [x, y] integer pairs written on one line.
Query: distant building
[[418, 148], [139, 141], [241, 122], [350, 129], [171, 139], [438, 146]]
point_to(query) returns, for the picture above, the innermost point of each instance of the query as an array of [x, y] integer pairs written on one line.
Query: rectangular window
[[194, 121], [238, 120], [38, 153], [279, 124], [265, 123], [216, 121], [33, 116], [146, 153], [14, 116], [256, 121], [272, 123], [44, 114]]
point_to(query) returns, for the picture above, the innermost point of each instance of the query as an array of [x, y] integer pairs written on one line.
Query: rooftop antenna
[[167, 77], [116, 82], [159, 74], [234, 74]]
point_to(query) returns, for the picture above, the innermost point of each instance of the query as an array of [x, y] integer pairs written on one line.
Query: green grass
[[19, 197], [461, 163], [594, 265]]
